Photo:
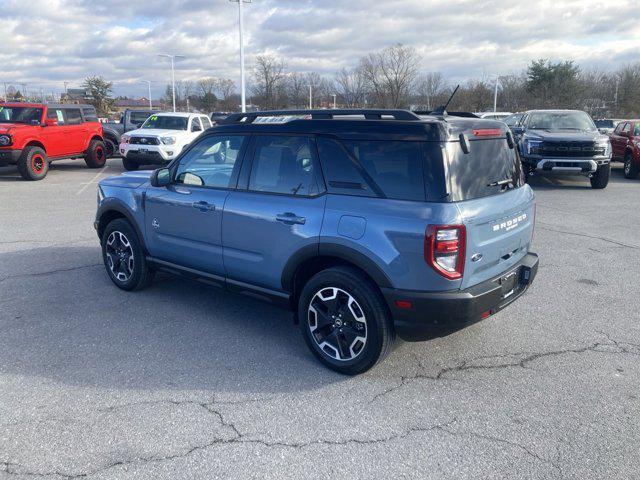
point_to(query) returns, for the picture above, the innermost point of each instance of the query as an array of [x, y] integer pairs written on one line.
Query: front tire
[[96, 154], [33, 164], [630, 167], [124, 257], [600, 179], [345, 321], [129, 165]]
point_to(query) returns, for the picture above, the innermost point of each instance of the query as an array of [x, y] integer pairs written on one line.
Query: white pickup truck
[[161, 138]]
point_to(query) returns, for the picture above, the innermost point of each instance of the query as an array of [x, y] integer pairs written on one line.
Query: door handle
[[203, 206], [289, 218]]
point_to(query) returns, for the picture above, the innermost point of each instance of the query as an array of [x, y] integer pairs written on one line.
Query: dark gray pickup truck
[[131, 120]]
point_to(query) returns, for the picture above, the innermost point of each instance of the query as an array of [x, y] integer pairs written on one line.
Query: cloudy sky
[[47, 42]]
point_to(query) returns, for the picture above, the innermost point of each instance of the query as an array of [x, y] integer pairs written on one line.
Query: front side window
[[211, 162], [626, 128], [206, 122], [196, 126], [636, 130], [28, 115], [166, 122], [283, 165], [73, 116]]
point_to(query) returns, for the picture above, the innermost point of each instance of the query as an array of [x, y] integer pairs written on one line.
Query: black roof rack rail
[[370, 114], [451, 114]]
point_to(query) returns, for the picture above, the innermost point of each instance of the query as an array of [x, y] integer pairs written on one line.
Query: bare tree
[[226, 88], [268, 75], [351, 87], [429, 87], [391, 75]]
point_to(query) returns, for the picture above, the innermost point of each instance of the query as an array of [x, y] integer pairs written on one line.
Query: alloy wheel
[[120, 259], [337, 324]]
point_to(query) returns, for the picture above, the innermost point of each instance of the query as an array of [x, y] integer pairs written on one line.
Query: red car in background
[[32, 135], [625, 146]]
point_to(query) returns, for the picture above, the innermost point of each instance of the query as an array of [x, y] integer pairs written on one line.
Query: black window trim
[[247, 167], [235, 174]]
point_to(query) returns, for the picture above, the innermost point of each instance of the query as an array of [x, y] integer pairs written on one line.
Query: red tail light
[[487, 132], [444, 249]]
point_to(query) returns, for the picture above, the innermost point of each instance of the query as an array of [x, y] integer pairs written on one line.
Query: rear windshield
[[139, 117], [490, 168], [401, 170]]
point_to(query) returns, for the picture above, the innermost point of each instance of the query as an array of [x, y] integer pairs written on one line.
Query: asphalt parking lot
[[183, 381]]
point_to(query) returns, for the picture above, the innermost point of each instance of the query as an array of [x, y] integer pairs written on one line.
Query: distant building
[[76, 96]]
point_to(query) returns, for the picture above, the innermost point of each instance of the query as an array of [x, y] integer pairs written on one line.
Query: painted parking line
[[93, 180]]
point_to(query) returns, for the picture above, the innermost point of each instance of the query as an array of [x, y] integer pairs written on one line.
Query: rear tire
[[600, 179], [344, 320], [33, 164], [110, 147], [630, 167], [96, 154], [123, 256], [130, 165]]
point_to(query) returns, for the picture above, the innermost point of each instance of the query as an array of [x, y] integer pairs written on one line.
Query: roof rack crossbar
[[249, 117]]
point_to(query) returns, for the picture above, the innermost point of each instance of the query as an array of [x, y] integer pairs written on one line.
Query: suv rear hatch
[[496, 205]]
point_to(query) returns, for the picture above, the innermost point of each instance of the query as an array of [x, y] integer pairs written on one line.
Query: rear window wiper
[[501, 183]]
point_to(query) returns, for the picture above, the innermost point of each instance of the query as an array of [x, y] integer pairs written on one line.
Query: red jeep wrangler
[[625, 146], [33, 135]]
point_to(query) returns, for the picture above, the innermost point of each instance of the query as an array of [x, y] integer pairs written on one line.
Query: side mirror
[[196, 128], [51, 122], [160, 177], [518, 130]]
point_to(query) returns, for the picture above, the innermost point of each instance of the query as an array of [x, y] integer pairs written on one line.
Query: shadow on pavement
[[64, 320]]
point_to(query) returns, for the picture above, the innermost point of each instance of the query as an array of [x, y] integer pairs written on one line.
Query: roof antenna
[[443, 110]]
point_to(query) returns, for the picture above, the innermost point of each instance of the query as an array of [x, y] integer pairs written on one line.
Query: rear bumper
[[9, 157], [436, 313]]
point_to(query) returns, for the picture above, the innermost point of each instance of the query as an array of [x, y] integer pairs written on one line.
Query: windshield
[[28, 115], [605, 124], [561, 121], [512, 120], [166, 123]]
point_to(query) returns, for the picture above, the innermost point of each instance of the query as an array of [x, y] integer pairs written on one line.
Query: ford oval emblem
[[476, 257]]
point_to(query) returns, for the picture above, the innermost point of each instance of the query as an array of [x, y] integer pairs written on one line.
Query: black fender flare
[[342, 252], [113, 205]]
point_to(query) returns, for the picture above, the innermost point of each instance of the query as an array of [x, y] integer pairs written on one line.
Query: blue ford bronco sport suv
[[366, 223]]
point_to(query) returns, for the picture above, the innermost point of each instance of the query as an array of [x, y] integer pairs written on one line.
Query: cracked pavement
[[182, 381]]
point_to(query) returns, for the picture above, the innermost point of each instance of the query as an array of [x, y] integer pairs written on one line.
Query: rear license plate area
[[509, 283]]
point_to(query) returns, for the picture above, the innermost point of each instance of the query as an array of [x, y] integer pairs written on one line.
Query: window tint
[[139, 117], [90, 114], [487, 162], [626, 128], [636, 129], [396, 167], [211, 162], [206, 123], [283, 165], [196, 126], [56, 114], [73, 116], [340, 171]]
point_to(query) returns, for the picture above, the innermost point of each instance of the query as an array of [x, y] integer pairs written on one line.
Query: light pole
[[173, 75], [495, 96], [148, 82], [334, 101], [310, 97], [241, 30]]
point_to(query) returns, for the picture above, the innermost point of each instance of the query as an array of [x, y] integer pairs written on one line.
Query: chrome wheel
[[120, 259], [337, 324]]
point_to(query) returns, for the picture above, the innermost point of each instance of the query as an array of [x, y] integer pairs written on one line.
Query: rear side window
[[283, 165], [90, 114], [474, 175], [73, 116]]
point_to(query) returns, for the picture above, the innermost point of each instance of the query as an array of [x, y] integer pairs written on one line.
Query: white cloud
[[46, 42]]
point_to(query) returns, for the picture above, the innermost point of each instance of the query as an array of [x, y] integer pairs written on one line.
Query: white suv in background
[[161, 138]]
